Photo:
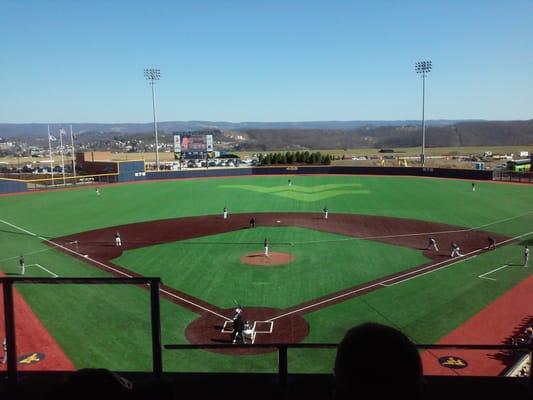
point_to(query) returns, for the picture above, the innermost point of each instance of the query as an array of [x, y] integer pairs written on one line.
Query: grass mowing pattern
[[108, 327]]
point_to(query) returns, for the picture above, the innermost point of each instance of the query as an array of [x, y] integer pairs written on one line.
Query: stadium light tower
[[153, 75], [423, 67]]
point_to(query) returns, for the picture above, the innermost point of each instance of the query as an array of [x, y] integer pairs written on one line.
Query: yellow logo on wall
[[31, 358], [453, 362]]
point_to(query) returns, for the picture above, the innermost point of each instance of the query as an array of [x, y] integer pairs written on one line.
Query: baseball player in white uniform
[[118, 241], [455, 250]]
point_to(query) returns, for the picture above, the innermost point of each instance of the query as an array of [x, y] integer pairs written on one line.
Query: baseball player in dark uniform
[[238, 327]]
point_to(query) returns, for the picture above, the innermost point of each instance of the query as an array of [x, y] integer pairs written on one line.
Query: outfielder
[[526, 256], [326, 211]]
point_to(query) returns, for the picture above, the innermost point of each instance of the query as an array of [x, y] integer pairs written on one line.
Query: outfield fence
[[10, 184], [510, 176], [131, 171]]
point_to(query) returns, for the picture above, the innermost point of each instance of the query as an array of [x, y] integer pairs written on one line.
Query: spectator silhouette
[[376, 361]]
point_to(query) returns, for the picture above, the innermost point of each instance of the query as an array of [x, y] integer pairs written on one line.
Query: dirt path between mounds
[[98, 247]]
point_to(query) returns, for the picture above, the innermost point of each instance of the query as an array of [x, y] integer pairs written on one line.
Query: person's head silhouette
[[378, 361]]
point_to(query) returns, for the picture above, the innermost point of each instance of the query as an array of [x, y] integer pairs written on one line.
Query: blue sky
[[74, 61]]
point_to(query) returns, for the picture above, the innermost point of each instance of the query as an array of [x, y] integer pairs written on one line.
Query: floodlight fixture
[[152, 75], [423, 68]]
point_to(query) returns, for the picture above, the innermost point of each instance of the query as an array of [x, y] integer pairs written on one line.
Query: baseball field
[[368, 261]]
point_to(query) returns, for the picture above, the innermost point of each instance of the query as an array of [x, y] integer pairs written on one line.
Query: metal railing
[[9, 313], [157, 361], [282, 350]]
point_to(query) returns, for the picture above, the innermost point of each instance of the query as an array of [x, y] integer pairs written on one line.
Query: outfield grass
[[108, 327]]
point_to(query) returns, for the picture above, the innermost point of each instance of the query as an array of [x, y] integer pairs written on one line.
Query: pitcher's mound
[[274, 258]]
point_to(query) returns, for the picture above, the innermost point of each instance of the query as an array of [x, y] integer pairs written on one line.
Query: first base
[[278, 222]]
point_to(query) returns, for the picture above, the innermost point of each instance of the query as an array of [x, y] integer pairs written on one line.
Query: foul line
[[108, 267], [490, 272], [464, 257], [43, 268]]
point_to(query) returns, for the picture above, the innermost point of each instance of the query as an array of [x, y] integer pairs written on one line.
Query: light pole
[[423, 67], [153, 75]]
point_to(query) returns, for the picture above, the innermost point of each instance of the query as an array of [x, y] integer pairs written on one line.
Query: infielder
[[492, 243], [432, 244], [326, 211], [455, 250], [265, 244], [526, 256], [225, 213], [118, 242], [22, 265]]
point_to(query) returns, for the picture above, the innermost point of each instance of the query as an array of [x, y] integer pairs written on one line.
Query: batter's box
[[258, 327], [227, 327], [263, 326]]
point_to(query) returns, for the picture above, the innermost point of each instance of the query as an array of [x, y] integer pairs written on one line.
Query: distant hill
[[297, 135], [506, 133], [17, 130]]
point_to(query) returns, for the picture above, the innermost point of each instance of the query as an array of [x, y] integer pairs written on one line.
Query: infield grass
[[210, 269]]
